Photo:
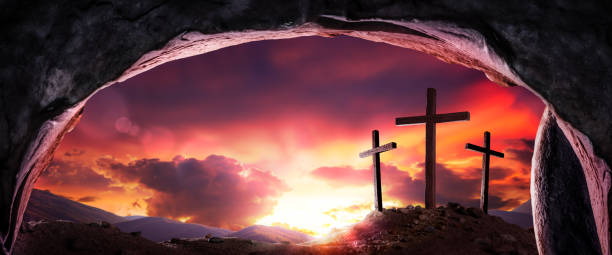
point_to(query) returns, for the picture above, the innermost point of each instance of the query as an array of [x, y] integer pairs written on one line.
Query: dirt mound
[[450, 229]]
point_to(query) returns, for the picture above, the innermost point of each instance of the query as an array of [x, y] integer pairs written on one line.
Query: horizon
[[165, 142], [140, 217]]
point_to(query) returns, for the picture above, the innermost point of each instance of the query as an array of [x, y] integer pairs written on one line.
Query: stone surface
[[56, 54], [563, 218], [598, 180]]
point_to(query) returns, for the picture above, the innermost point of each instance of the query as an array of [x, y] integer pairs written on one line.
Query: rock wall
[[597, 174], [55, 54], [564, 222]]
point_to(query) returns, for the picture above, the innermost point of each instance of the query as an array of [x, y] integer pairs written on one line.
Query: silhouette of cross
[[430, 119], [375, 153], [486, 157]]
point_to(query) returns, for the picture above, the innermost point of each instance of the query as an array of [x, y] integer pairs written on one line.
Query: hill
[[133, 217], [521, 219], [271, 234], [80, 238], [524, 208], [521, 215], [161, 229], [452, 229], [44, 205]]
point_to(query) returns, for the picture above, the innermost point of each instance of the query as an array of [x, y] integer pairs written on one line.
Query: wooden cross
[[375, 153], [430, 119], [486, 157]]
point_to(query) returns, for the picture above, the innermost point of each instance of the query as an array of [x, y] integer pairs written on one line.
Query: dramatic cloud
[[307, 81], [288, 106], [529, 143], [87, 199], [521, 155], [398, 184], [521, 150], [69, 173], [498, 173], [74, 153], [344, 175], [339, 212], [135, 204], [216, 191]]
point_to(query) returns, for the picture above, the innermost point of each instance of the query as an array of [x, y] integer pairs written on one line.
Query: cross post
[[486, 159], [375, 153], [430, 119]]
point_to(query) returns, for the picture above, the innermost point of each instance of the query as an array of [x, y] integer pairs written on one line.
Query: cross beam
[[438, 118], [477, 148], [486, 158], [379, 149], [430, 119], [375, 153]]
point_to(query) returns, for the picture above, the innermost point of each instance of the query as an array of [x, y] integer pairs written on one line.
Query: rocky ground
[[451, 229]]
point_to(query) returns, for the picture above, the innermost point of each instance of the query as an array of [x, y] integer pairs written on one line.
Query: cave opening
[[513, 44], [269, 132]]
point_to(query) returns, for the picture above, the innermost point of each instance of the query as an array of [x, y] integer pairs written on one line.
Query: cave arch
[[82, 49]]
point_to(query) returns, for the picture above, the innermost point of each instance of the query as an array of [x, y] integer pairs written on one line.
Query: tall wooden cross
[[430, 119], [375, 153], [486, 157]]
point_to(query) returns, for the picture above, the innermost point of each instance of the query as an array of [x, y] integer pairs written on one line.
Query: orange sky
[[269, 133]]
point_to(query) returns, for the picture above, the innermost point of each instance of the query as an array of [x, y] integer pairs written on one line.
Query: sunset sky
[[269, 133]]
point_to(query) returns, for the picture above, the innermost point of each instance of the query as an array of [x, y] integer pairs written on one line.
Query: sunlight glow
[[317, 214], [282, 135], [184, 219]]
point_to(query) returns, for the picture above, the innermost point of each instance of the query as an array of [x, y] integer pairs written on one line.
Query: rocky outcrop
[[56, 54], [564, 221], [451, 229]]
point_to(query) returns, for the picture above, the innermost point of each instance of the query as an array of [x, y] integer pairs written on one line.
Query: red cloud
[[216, 191], [343, 175], [72, 174], [400, 185]]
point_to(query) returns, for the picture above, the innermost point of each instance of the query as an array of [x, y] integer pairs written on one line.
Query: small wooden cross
[[486, 157], [375, 153], [430, 119]]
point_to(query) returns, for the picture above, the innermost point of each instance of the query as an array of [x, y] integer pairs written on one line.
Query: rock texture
[[564, 220], [56, 54]]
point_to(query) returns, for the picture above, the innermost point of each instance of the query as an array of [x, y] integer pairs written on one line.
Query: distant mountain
[[44, 205], [161, 229], [133, 217], [378, 233], [521, 215], [524, 208], [521, 219], [271, 234]]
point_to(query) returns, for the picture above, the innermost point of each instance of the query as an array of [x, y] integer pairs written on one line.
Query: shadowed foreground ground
[[446, 230]]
